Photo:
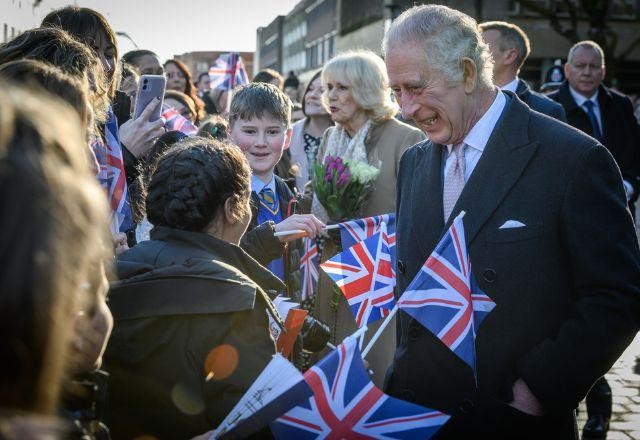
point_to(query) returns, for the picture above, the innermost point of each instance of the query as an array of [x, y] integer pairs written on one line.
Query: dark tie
[[588, 105], [268, 200]]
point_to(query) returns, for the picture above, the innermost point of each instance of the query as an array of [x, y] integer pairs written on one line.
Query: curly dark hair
[[193, 180]]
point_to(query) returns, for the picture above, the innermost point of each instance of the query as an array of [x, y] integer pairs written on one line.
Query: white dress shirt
[[580, 100], [258, 185], [478, 137], [512, 86]]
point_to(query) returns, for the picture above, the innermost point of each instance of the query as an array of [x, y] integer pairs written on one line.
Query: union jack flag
[[309, 268], [347, 405], [354, 231], [175, 121], [111, 174], [365, 275], [227, 72], [443, 297]]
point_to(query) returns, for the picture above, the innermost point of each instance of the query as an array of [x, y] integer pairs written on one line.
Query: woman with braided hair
[[191, 333]]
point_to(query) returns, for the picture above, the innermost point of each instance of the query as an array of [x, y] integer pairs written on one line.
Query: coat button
[[414, 333], [466, 406], [489, 275], [402, 267]]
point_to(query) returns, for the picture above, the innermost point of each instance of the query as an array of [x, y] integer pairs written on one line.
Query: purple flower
[[343, 180], [327, 161]]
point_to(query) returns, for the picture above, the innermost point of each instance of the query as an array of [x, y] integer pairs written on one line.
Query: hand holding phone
[[138, 134], [149, 87]]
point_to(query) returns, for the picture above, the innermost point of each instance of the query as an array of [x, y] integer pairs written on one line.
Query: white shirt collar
[[580, 100], [257, 185], [478, 136], [512, 86]]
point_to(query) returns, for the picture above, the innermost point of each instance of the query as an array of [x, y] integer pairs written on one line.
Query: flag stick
[[331, 346], [361, 331], [300, 231], [290, 232], [377, 334]]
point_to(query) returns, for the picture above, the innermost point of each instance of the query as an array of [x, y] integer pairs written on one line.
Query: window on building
[[202, 66]]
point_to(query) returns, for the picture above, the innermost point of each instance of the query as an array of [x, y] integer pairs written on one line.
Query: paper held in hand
[[275, 391]]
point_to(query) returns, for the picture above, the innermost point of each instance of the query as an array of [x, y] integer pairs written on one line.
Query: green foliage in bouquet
[[342, 186]]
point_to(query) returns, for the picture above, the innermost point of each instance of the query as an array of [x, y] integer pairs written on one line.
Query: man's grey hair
[[511, 36], [446, 36], [586, 43]]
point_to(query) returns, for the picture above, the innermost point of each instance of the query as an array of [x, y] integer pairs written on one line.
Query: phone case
[[149, 87]]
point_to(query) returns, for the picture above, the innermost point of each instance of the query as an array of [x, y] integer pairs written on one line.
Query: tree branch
[[570, 34]]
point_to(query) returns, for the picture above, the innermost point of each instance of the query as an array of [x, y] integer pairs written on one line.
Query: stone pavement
[[624, 379]]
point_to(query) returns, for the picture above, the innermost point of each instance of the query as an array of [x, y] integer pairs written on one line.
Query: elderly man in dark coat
[[544, 203]]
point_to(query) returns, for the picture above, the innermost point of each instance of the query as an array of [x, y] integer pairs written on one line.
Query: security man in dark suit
[[601, 112], [510, 47], [547, 228], [608, 117]]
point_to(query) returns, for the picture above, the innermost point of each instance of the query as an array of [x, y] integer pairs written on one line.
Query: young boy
[[260, 125]]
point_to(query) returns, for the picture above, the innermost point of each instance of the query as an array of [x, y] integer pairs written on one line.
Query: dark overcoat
[[620, 130], [539, 102], [566, 285]]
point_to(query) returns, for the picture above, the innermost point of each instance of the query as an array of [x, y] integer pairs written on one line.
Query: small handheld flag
[[309, 268], [228, 72], [443, 298], [275, 391], [354, 231], [346, 404], [175, 121], [365, 275]]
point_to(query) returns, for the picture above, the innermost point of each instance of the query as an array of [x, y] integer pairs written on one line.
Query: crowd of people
[[140, 264]]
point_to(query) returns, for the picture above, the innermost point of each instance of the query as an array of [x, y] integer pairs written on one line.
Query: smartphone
[[149, 87]]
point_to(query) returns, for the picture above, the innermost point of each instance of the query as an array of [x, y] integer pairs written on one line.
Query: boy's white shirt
[[258, 184]]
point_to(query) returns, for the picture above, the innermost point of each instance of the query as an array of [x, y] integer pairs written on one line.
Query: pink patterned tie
[[453, 181]]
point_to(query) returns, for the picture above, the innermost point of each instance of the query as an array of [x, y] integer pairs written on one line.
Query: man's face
[[585, 72], [439, 109], [262, 140], [493, 38]]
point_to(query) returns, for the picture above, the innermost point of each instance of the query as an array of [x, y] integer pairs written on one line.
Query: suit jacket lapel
[[505, 157], [427, 210]]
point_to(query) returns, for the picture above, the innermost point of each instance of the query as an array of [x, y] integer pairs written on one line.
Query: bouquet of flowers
[[342, 186]]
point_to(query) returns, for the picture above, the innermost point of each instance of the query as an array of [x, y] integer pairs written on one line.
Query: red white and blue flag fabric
[[347, 405], [365, 275], [112, 176], [228, 72], [443, 297], [173, 120], [354, 231], [309, 268]]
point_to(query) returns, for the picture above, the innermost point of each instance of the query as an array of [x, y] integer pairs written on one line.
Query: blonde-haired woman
[[358, 98]]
